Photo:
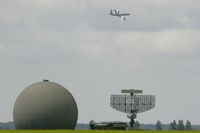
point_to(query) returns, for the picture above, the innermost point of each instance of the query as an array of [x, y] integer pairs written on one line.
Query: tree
[[188, 125], [92, 123], [180, 125], [137, 125], [159, 125], [173, 125]]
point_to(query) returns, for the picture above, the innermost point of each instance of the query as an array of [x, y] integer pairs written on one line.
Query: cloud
[[65, 15], [1, 47], [168, 43], [89, 44]]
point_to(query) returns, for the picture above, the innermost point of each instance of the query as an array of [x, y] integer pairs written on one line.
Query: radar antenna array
[[132, 104]]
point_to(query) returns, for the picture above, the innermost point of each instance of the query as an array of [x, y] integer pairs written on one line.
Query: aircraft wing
[[125, 14]]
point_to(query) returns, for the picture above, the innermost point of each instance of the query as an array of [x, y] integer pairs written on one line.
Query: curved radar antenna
[[132, 104]]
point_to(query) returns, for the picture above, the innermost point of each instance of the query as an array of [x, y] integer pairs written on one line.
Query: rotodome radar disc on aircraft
[[117, 13]]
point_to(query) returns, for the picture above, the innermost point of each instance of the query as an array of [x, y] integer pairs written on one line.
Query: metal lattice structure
[[125, 103], [132, 104]]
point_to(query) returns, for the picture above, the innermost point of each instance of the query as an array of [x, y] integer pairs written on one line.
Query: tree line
[[176, 126], [158, 126], [172, 126]]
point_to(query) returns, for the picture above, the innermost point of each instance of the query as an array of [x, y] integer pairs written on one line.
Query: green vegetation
[[90, 131]]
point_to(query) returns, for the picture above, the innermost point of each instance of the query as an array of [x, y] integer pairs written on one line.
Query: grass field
[[90, 131]]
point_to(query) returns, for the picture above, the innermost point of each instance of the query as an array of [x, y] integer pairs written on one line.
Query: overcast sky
[[78, 45]]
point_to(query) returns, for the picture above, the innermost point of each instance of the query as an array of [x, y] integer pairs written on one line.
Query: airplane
[[117, 13]]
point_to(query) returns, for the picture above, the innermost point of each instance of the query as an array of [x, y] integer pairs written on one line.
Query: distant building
[[109, 126]]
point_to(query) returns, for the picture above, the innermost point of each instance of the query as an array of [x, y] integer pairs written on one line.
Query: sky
[[77, 44]]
